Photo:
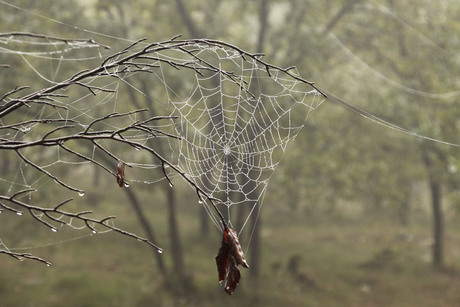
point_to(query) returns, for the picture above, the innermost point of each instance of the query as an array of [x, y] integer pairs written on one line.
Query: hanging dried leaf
[[228, 258], [121, 173]]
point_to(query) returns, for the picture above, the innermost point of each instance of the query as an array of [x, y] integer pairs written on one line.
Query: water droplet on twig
[[81, 193]]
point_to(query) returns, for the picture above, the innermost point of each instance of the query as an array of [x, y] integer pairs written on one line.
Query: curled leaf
[[228, 258], [121, 173]]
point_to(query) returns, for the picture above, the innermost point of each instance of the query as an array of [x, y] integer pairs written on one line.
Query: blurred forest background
[[357, 214]]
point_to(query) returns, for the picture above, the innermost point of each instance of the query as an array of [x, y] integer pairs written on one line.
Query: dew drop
[[48, 264], [94, 231], [137, 148], [19, 213], [126, 185], [200, 202], [171, 185], [54, 229], [81, 193], [160, 251]]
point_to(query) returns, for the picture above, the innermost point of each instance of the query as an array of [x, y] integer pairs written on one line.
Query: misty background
[[362, 211]]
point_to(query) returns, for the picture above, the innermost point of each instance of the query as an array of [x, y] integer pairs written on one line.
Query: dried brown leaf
[[228, 258], [121, 173]]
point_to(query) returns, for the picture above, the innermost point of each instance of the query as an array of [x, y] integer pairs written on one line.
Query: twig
[[53, 38], [20, 256], [71, 215], [42, 170], [17, 89]]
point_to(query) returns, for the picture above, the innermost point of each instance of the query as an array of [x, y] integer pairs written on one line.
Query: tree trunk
[[194, 33], [176, 246], [143, 221], [191, 27], [436, 201], [256, 219], [438, 224], [256, 254], [348, 6], [147, 228]]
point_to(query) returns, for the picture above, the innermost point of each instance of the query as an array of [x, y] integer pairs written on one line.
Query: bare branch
[[36, 121], [88, 221], [42, 170], [53, 38], [17, 89], [87, 159], [56, 129], [20, 256]]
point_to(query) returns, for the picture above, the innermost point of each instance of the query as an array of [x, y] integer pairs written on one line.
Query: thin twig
[[53, 38], [42, 170], [20, 256], [71, 215], [13, 91]]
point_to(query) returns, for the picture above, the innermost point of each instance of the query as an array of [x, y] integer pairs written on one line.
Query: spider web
[[235, 122], [234, 117]]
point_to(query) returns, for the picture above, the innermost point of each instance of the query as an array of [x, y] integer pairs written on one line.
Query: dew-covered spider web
[[236, 116], [226, 115]]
